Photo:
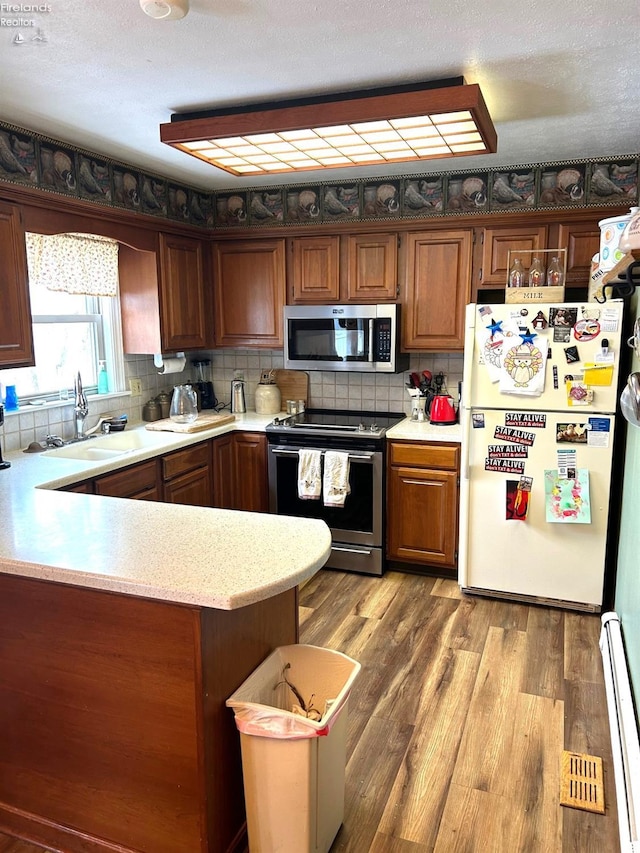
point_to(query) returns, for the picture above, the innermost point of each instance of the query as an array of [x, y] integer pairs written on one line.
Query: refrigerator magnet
[[564, 318], [586, 330], [571, 354], [517, 500], [578, 393], [539, 322]]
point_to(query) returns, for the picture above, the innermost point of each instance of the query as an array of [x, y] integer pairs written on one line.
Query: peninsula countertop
[[223, 559]]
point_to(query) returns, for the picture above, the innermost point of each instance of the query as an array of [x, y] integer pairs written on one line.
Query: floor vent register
[[582, 782]]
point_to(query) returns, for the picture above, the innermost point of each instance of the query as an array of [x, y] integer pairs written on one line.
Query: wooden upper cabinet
[[372, 267], [249, 290], [493, 247], [186, 310], [164, 297], [16, 336], [315, 269], [437, 289], [582, 242]]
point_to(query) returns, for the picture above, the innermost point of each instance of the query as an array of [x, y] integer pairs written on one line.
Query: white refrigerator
[[537, 411]]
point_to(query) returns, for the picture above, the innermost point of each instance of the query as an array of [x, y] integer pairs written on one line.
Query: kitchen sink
[[104, 446]]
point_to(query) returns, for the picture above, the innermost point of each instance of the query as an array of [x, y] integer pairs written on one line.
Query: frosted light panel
[[396, 140]]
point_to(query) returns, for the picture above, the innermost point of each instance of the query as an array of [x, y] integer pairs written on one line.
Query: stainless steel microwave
[[362, 338]]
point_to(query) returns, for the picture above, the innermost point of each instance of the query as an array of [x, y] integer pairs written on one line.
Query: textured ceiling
[[561, 79]]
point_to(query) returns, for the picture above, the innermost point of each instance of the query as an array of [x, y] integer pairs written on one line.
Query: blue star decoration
[[527, 337], [494, 327]]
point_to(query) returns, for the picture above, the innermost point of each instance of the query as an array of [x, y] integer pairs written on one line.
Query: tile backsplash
[[328, 389]]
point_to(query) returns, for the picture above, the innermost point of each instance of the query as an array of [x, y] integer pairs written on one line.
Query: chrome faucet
[[81, 409]]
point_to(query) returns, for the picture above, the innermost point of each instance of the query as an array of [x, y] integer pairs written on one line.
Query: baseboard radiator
[[625, 743]]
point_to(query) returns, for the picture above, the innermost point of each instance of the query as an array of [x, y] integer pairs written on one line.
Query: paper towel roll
[[170, 365]]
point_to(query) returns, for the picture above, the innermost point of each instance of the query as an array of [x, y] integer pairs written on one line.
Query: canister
[[610, 233], [268, 399]]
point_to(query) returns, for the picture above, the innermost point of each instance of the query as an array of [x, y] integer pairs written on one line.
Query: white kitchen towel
[[335, 484], [309, 479]]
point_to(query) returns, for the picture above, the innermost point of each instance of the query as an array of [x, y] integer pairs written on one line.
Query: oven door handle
[[355, 457], [366, 551]]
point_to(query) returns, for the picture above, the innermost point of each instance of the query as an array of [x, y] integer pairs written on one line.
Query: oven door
[[359, 521]]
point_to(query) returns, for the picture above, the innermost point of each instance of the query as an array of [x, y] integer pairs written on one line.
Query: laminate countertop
[[223, 559]]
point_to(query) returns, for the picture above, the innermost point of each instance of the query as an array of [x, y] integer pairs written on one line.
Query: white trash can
[[294, 767]]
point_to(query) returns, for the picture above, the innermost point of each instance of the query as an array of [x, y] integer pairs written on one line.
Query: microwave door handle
[[372, 324]]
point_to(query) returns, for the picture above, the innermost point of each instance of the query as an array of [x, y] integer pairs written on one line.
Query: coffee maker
[[3, 464], [203, 386]]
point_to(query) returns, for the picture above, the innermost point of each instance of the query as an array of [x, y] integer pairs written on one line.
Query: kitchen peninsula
[[124, 626]]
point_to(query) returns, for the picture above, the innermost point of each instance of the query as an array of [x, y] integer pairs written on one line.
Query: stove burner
[[337, 422]]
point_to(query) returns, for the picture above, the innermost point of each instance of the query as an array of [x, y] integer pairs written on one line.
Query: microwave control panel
[[382, 345]]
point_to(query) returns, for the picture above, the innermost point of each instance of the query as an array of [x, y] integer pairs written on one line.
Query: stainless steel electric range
[[358, 527]]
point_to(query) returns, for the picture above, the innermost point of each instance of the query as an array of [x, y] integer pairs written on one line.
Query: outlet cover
[[136, 387]]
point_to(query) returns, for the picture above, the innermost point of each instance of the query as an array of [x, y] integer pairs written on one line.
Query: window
[[72, 331]]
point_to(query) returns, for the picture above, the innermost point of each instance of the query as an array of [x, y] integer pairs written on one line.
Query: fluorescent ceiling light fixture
[[423, 121]]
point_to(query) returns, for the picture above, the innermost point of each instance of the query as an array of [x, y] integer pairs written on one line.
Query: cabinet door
[[495, 244], [422, 516], [372, 267], [437, 288], [16, 337], [582, 242], [315, 265], [251, 472], [193, 488], [223, 472], [249, 293], [186, 309]]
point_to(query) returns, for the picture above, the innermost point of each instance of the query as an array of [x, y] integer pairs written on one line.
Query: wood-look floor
[[458, 719]]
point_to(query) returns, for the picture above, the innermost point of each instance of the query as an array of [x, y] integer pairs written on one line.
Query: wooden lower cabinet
[[240, 472], [187, 476], [422, 505], [139, 482]]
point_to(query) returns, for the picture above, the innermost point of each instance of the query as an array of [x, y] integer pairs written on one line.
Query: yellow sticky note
[[598, 374]]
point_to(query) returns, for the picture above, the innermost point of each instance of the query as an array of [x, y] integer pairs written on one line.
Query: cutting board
[[203, 421], [293, 385]]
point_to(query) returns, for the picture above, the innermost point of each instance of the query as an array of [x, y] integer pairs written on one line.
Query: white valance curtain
[[73, 263]]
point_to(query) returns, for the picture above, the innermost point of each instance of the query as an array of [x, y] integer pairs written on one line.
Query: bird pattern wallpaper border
[[52, 166]]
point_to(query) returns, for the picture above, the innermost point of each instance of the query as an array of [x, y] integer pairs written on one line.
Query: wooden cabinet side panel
[[249, 635], [438, 281], [249, 293], [139, 301], [16, 336], [98, 694]]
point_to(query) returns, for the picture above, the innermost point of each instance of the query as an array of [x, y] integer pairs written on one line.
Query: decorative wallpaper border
[[34, 160]]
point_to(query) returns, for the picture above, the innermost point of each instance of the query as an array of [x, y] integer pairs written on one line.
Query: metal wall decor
[[52, 166]]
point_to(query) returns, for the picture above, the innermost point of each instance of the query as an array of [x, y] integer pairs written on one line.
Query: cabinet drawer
[[128, 481], [181, 461], [444, 456]]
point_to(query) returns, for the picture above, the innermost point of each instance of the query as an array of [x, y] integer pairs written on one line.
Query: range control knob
[[361, 427], [373, 427]]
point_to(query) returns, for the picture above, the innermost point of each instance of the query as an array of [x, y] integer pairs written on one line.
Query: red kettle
[[442, 411]]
